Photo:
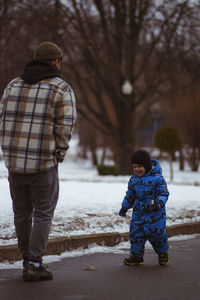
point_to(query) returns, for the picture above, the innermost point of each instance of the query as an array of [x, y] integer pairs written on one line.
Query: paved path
[[113, 280]]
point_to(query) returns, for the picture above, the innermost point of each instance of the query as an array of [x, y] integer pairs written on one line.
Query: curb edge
[[58, 245]]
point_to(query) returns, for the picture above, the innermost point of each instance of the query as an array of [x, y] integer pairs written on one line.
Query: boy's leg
[[159, 242], [22, 208], [137, 240], [158, 236], [160, 245], [44, 192], [137, 245]]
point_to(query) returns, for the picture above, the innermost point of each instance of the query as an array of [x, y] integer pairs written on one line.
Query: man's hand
[[60, 156]]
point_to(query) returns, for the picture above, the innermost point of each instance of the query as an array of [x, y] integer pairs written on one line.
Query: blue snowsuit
[[147, 224]]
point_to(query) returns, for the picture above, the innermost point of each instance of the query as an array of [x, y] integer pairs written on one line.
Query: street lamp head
[[127, 88]]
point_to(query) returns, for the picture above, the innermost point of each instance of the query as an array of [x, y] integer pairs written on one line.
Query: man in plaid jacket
[[37, 116]]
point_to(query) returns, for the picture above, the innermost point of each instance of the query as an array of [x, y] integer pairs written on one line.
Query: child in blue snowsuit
[[147, 195]]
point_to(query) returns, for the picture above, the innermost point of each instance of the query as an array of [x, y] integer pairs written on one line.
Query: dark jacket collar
[[37, 70]]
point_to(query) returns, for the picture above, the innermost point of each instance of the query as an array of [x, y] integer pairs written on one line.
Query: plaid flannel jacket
[[36, 121]]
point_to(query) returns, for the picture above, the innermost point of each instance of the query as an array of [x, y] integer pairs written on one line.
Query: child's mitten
[[155, 205], [123, 211]]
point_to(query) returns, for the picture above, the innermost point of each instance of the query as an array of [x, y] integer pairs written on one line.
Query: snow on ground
[[89, 203]]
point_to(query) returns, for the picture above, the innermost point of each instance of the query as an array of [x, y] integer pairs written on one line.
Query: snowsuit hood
[[37, 70], [156, 168]]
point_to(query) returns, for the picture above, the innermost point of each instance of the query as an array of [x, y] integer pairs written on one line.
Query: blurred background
[[134, 67]]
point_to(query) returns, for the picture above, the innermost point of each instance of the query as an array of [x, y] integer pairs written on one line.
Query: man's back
[[37, 120]]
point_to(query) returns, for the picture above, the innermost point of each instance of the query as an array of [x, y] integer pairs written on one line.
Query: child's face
[[139, 169]]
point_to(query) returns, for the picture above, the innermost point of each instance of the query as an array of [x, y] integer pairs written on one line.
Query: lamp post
[[125, 126]]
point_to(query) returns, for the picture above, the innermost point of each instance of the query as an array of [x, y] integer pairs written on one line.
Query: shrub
[[107, 170], [168, 139]]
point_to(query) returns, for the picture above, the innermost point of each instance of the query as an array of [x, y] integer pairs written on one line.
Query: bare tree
[[23, 25], [6, 31], [183, 76], [111, 43], [116, 56]]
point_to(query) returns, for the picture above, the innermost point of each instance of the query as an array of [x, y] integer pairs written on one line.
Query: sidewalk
[[61, 244], [111, 279]]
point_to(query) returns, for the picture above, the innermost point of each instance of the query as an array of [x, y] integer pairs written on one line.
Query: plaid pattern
[[36, 120]]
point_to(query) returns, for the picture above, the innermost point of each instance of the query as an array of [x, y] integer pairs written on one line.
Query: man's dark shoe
[[163, 259], [134, 260], [25, 265], [32, 273]]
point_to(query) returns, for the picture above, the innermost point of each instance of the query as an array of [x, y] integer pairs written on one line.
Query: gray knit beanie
[[48, 50]]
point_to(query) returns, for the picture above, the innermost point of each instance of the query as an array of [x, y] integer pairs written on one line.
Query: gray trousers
[[34, 198]]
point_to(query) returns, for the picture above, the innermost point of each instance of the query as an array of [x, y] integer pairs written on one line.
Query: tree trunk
[[171, 166], [125, 166], [125, 140], [181, 160], [194, 159], [94, 156], [103, 156]]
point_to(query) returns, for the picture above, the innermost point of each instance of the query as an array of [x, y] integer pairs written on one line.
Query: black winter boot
[[134, 260], [163, 259]]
